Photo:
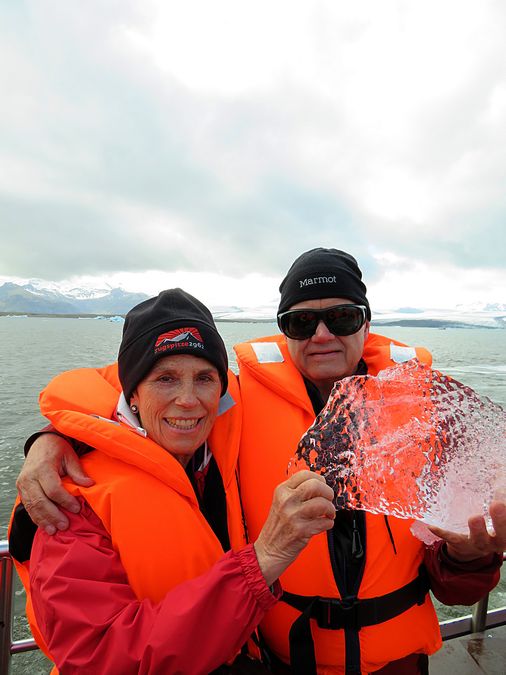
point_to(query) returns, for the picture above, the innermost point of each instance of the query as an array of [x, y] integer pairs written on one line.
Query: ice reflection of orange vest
[[276, 412], [135, 478]]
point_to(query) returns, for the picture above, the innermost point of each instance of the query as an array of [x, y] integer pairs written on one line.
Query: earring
[[134, 408]]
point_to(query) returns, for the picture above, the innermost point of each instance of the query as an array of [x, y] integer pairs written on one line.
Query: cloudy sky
[[206, 144]]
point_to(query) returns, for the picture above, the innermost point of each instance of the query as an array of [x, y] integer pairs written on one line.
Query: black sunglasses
[[301, 324]]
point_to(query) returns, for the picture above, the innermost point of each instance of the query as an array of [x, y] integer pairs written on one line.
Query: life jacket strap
[[348, 613]]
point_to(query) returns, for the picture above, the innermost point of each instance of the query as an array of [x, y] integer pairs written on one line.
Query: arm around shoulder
[[50, 456]]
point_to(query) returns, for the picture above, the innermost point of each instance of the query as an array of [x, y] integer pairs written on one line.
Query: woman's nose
[[186, 396]]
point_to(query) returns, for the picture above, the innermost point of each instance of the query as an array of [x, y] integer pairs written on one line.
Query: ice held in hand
[[411, 443]]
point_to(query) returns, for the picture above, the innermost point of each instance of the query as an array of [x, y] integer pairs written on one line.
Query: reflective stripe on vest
[[267, 352], [401, 354]]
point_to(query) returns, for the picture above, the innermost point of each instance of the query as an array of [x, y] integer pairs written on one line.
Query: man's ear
[[366, 331]]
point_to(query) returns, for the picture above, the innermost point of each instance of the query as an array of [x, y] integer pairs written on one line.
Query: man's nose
[[322, 333]]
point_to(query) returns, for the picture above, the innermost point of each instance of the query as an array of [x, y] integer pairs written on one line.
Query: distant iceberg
[[116, 319]]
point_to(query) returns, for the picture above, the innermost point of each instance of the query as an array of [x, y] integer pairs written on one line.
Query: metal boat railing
[[8, 646], [480, 619]]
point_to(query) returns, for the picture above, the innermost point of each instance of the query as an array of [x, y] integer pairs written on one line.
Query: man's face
[[324, 357]]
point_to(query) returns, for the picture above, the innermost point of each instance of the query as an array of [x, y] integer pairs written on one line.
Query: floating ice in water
[[411, 443]]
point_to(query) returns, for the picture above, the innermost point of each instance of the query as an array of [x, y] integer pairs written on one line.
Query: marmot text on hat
[[172, 323], [323, 273]]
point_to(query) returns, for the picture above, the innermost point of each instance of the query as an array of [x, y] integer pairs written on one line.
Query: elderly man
[[356, 601], [380, 572]]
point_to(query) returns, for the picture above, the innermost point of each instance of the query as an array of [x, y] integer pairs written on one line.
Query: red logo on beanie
[[179, 338]]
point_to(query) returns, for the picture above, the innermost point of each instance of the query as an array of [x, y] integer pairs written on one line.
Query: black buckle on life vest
[[350, 613], [334, 614]]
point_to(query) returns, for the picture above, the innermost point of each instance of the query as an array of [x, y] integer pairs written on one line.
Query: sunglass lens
[[299, 325], [344, 320]]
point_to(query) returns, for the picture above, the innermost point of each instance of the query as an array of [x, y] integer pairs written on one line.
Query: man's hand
[[479, 542], [39, 483]]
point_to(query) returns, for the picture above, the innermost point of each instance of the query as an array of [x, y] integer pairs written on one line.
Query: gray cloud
[[113, 165]]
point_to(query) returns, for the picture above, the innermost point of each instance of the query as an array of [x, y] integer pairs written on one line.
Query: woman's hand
[[301, 507], [479, 542], [39, 483]]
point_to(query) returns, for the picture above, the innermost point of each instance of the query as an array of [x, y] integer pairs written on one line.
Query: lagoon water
[[32, 350]]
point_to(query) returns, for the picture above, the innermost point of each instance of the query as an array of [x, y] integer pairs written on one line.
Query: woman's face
[[178, 403]]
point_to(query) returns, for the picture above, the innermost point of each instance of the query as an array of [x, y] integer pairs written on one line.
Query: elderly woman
[[154, 573]]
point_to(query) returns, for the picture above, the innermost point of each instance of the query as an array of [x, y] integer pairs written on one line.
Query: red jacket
[[106, 624]]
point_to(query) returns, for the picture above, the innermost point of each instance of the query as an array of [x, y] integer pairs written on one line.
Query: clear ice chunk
[[411, 443]]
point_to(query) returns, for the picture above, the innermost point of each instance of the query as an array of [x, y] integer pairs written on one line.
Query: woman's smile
[[183, 424]]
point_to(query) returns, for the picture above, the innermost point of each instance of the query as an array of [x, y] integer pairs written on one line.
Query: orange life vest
[[134, 477], [276, 412]]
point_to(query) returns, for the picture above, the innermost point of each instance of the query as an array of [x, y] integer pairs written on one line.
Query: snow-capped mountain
[[35, 297], [39, 286]]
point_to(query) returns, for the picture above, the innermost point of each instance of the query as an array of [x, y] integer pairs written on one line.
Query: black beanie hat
[[172, 323], [323, 273]]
